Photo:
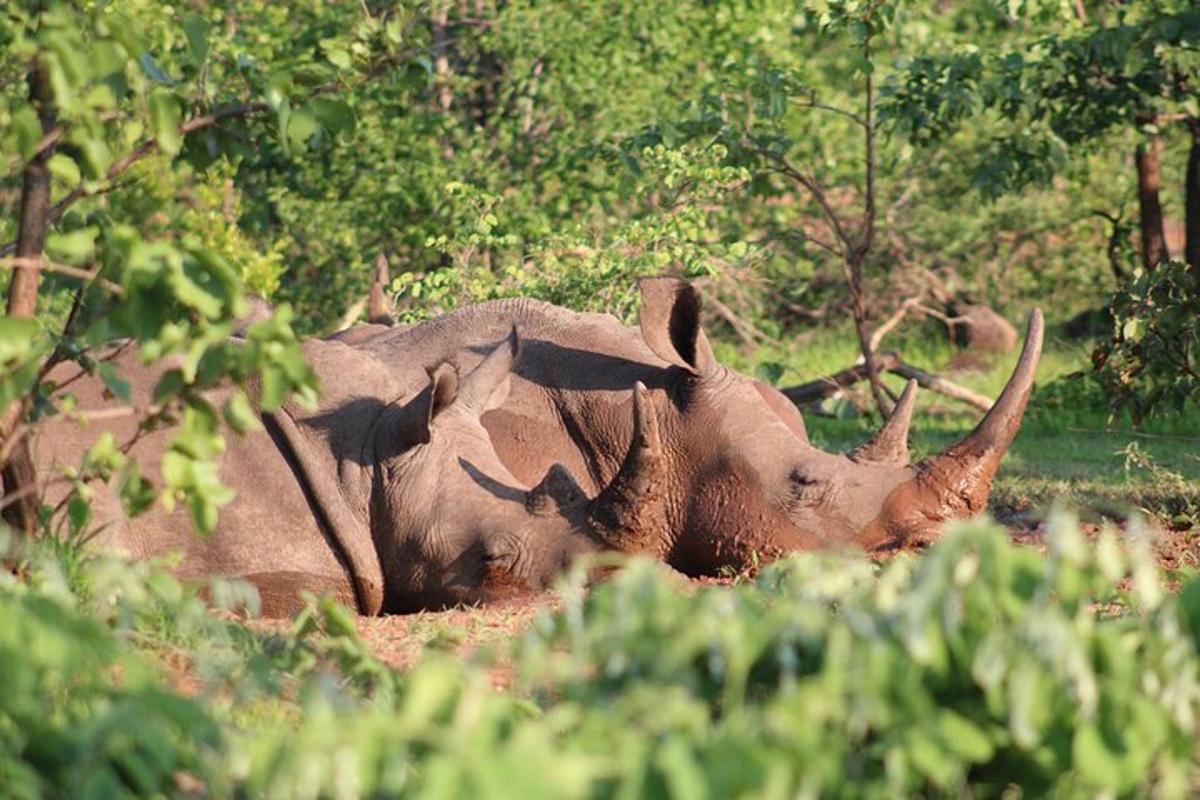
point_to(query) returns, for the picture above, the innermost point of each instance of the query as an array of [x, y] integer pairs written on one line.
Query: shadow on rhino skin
[[490, 484], [367, 430], [581, 369]]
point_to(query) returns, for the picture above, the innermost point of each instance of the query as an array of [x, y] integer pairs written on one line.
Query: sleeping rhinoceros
[[388, 496], [740, 482]]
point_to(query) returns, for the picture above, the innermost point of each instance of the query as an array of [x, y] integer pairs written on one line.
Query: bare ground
[[399, 640]]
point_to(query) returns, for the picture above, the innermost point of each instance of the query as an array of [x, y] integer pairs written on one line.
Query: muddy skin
[[387, 496], [742, 481]]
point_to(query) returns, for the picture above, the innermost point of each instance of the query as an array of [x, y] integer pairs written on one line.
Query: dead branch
[[895, 319], [822, 388], [829, 385], [352, 314], [46, 265], [943, 386]]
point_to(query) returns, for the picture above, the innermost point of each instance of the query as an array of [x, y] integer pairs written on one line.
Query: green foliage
[[1152, 364], [977, 667], [1057, 89], [170, 102], [576, 266], [980, 664]]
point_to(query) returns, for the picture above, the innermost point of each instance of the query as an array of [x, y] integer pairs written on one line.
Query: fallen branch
[[942, 386], [829, 385], [822, 388]]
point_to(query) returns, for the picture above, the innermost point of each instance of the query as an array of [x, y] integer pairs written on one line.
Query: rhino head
[[452, 525], [744, 482]]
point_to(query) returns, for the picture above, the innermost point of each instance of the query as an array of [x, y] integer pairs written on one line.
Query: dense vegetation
[[841, 177], [980, 662]]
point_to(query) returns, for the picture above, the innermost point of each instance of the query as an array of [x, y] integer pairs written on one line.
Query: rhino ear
[[410, 424], [670, 323], [486, 387]]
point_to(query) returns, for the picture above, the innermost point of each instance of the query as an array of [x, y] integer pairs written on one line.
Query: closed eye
[[805, 491]]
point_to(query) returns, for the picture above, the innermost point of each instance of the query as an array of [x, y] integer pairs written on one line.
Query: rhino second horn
[[965, 469], [890, 444], [630, 513]]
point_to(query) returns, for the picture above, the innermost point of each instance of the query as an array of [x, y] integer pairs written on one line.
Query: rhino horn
[[630, 513], [963, 472], [890, 444]]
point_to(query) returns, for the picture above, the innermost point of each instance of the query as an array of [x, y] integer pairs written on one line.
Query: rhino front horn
[[630, 513], [962, 473]]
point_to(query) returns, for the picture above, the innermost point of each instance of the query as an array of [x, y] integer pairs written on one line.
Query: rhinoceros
[[739, 481], [388, 496]]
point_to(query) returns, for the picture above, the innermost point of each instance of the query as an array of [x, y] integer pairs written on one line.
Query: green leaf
[[165, 118], [196, 28], [65, 169], [1099, 763], [150, 67], [301, 127], [334, 115], [29, 130], [1133, 329], [79, 514], [239, 415], [274, 385], [963, 738], [73, 246], [96, 155], [17, 337], [118, 386], [337, 53]]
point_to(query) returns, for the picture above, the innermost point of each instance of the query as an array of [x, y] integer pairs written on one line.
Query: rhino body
[[454, 462], [389, 495], [738, 480]]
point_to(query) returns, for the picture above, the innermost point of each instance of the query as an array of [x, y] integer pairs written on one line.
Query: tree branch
[[845, 112], [46, 265], [822, 388], [784, 167]]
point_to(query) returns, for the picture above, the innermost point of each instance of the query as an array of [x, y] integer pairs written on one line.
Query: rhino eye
[[805, 490]]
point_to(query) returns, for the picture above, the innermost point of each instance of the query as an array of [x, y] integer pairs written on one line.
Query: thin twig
[[892, 321], [46, 265]]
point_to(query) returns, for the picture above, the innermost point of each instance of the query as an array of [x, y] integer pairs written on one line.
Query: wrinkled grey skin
[[389, 495], [738, 480]]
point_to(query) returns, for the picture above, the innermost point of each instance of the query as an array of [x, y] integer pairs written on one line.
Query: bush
[[1152, 364], [979, 667]]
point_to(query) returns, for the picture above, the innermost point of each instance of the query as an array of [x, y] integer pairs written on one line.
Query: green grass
[[1069, 448]]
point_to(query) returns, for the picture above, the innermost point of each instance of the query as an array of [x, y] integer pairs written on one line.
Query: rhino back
[[268, 535], [570, 402]]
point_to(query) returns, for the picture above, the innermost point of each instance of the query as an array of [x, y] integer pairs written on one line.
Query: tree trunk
[[1154, 239], [859, 307], [441, 55], [20, 500], [1192, 192], [862, 248]]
